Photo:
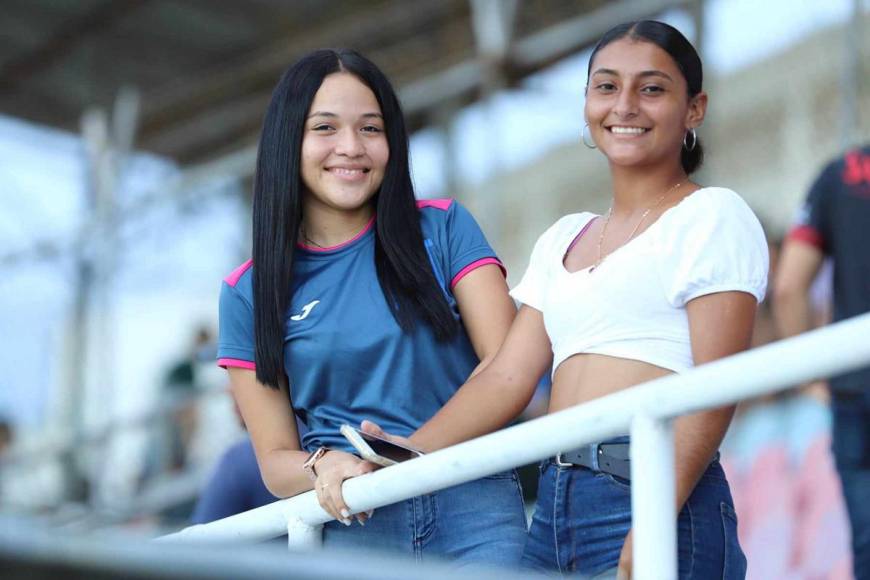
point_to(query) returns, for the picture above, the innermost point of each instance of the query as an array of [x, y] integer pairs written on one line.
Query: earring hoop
[[583, 138], [694, 139]]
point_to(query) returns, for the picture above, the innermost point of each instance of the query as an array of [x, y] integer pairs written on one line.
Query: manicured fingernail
[[345, 514], [370, 513], [346, 521], [361, 520]]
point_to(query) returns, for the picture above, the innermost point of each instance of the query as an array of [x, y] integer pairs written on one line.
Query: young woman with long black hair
[[669, 278], [361, 302]]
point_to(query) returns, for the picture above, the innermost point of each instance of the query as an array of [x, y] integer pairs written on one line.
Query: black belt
[[612, 458]]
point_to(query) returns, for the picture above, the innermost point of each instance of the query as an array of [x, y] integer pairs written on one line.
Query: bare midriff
[[583, 377]]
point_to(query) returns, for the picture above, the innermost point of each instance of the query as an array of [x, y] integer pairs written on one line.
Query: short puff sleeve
[[530, 290], [716, 244], [236, 329]]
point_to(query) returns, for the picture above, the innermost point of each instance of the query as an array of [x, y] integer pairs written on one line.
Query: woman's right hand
[[332, 469]]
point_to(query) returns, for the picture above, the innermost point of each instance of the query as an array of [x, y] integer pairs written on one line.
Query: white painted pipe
[[830, 350], [653, 499], [301, 536]]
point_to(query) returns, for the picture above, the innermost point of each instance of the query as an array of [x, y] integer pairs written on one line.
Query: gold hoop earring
[[583, 138], [694, 139]]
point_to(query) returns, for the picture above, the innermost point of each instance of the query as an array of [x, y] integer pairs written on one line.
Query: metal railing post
[[302, 536], [653, 499]]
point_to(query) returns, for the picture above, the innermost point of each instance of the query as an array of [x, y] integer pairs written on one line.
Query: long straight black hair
[[403, 268], [685, 56]]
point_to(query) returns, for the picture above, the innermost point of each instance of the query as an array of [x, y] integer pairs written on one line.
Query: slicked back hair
[[685, 56]]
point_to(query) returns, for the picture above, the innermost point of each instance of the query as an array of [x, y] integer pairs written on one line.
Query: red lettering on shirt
[[857, 168]]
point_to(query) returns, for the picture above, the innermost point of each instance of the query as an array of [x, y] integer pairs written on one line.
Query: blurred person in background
[[235, 485], [182, 385], [362, 302], [671, 277], [779, 466], [835, 222], [6, 438]]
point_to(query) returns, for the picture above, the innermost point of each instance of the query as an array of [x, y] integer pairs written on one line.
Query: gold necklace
[[633, 232], [309, 240]]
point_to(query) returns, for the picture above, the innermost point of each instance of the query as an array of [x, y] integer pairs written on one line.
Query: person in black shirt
[[835, 222]]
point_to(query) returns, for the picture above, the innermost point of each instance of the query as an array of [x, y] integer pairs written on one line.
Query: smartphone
[[378, 450]]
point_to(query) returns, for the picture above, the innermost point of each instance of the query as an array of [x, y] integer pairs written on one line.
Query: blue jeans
[[583, 516], [480, 522], [851, 446]]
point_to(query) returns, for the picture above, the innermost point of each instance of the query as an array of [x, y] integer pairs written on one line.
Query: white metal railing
[[646, 411]]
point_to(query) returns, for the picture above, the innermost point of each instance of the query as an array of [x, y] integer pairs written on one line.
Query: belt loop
[[594, 451], [561, 463]]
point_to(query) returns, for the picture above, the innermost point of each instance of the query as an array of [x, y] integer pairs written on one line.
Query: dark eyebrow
[[655, 73], [322, 114], [334, 116], [646, 73]]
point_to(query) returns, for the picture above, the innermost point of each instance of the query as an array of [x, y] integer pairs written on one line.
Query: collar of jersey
[[365, 233]]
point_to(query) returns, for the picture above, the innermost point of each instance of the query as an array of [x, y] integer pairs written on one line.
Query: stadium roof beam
[[62, 39], [423, 99], [365, 28], [191, 61], [529, 54]]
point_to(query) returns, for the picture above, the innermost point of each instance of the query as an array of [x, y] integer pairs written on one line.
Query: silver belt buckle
[[561, 463]]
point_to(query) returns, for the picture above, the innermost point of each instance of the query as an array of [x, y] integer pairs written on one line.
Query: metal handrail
[[647, 408]]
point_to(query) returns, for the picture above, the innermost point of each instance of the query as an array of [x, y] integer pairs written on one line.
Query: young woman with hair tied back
[[361, 302], [670, 277]]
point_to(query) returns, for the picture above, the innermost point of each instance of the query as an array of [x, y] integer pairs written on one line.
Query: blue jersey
[[344, 354]]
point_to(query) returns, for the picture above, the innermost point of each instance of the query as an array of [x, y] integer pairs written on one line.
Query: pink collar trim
[[361, 233]]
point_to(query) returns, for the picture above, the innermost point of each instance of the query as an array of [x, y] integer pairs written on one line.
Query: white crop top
[[633, 305]]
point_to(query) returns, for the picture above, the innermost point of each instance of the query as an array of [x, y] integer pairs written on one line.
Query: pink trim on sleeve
[[233, 278], [442, 204], [238, 363], [807, 235], [474, 266]]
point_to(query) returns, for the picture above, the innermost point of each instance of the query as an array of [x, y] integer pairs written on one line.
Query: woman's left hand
[[373, 428], [624, 570]]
